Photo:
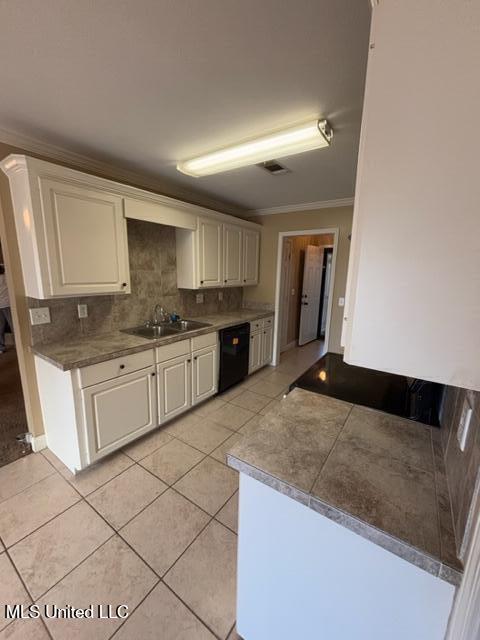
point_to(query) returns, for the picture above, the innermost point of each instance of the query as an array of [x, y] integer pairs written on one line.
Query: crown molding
[[303, 206], [163, 186]]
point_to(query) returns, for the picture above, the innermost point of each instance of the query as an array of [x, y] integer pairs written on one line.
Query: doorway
[[304, 288], [13, 419]]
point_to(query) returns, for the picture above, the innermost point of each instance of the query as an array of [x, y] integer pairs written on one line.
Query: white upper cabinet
[[85, 240], [210, 252], [413, 301], [72, 233], [251, 256], [218, 254], [72, 237], [232, 255]]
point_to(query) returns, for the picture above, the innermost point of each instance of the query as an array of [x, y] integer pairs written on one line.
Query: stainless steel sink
[[154, 331], [189, 325]]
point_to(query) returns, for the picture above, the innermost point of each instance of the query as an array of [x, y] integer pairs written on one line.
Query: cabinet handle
[[189, 360], [244, 280], [153, 374], [124, 284], [195, 357], [225, 281], [201, 281], [122, 366]]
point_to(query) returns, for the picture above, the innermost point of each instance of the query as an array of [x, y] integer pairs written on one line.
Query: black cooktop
[[414, 399]]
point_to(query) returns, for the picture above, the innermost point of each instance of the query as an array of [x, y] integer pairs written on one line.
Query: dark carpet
[[12, 409]]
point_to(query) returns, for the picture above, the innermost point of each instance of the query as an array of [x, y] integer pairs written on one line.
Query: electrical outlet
[[199, 298], [464, 424], [82, 310], [341, 302], [220, 296], [40, 316]]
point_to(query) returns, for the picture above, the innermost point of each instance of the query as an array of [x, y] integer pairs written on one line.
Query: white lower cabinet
[[92, 411], [204, 374], [118, 411], [174, 387], [255, 353], [261, 344]]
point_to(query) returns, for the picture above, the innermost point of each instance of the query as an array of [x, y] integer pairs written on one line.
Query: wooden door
[[251, 256], [286, 292], [310, 299], [232, 255], [119, 410], [174, 387], [205, 374], [86, 240], [210, 254]]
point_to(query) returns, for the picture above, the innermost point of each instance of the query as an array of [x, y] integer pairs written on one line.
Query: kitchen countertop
[[379, 475], [72, 354]]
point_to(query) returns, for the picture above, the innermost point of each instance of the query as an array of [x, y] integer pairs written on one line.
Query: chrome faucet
[[160, 315]]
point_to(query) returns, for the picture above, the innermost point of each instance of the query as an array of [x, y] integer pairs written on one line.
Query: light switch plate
[[199, 298], [40, 316], [82, 310], [341, 302], [464, 424], [220, 295]]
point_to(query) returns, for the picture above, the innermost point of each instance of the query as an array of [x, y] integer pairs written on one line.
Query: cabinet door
[[232, 255], [86, 240], [251, 256], [118, 411], [413, 300], [210, 254], [267, 345], [174, 387], [205, 374], [255, 353]]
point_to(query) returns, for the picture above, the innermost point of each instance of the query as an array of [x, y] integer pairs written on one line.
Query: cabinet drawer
[[112, 368], [174, 350], [208, 340], [268, 322], [256, 325]]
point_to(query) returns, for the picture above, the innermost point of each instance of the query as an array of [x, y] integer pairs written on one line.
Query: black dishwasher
[[234, 347]]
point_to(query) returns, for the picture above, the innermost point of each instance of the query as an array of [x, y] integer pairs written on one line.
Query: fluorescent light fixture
[[304, 137]]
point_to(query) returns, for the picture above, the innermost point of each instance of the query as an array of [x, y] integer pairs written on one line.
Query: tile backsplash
[[462, 467], [153, 273]]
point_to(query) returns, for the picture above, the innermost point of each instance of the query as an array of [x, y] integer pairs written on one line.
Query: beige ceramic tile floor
[[153, 526]]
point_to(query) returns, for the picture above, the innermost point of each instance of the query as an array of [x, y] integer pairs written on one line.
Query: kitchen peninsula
[[332, 495]]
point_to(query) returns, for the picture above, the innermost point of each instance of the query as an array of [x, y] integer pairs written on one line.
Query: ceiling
[[145, 83]]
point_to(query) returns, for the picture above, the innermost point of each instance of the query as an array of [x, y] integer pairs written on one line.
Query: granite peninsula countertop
[[379, 475], [93, 349]]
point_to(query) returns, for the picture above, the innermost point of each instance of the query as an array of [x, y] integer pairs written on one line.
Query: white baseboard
[[38, 442]]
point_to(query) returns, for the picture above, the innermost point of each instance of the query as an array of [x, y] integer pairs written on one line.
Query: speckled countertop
[[379, 475], [72, 354]]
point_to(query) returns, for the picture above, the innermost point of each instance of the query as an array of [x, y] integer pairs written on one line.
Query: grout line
[[134, 609], [42, 525], [75, 567], [193, 612], [331, 450], [33, 483], [71, 481]]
